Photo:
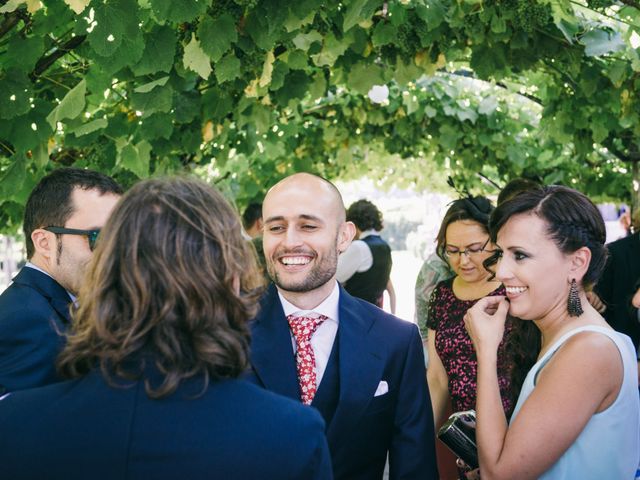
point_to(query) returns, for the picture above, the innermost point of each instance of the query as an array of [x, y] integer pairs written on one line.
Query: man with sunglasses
[[62, 219]]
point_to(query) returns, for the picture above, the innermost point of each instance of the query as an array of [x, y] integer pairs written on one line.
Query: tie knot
[[303, 327]]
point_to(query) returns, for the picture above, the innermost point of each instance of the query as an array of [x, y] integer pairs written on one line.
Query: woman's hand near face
[[485, 323]]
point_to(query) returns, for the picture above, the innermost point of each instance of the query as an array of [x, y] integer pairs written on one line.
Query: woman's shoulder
[[587, 353]]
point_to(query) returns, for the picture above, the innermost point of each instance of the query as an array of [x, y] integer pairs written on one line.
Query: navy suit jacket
[[618, 283], [373, 347], [33, 309], [86, 429]]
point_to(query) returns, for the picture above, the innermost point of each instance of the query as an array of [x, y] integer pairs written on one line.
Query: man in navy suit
[[362, 368], [156, 346], [63, 216]]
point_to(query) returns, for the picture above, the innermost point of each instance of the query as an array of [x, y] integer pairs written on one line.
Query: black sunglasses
[[92, 235]]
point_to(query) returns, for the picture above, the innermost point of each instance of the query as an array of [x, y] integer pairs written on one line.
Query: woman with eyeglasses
[[463, 242], [578, 413]]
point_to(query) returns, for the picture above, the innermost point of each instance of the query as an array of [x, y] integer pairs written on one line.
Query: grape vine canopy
[[243, 92]]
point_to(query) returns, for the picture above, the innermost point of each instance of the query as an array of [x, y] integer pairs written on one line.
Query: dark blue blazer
[[32, 311], [373, 347], [619, 281], [86, 429]]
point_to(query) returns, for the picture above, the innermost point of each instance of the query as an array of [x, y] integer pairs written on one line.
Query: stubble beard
[[319, 275]]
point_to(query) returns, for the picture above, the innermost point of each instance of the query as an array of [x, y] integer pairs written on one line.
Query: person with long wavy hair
[[155, 349]]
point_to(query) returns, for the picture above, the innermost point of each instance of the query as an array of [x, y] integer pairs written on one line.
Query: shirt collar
[[35, 267], [366, 233], [328, 307]]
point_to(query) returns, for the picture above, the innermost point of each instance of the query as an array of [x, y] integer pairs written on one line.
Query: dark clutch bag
[[459, 434]]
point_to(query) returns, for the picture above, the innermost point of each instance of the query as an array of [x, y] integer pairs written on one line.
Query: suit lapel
[[361, 367], [272, 352], [50, 289]]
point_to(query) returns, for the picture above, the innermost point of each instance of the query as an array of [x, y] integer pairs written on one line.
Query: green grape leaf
[[70, 106], [216, 104], [362, 77], [406, 72], [267, 69], [179, 11], [297, 60], [228, 68], [599, 132], [304, 40], [600, 42], [11, 6], [217, 36], [358, 11], [147, 87], [22, 53], [433, 13], [195, 59], [160, 99], [263, 27], [332, 49], [158, 125], [260, 118], [159, 51], [135, 158], [77, 6], [114, 19], [15, 94], [13, 180], [318, 87], [89, 127], [383, 34]]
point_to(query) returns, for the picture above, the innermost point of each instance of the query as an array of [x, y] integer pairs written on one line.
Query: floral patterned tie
[[302, 329]]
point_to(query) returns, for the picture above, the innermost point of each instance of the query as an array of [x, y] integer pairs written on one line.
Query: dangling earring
[[574, 307]]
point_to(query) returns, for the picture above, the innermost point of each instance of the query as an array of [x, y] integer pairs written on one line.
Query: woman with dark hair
[[578, 413], [463, 241], [155, 349]]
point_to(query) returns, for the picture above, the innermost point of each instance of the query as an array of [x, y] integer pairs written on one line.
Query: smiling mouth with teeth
[[295, 260], [514, 290]]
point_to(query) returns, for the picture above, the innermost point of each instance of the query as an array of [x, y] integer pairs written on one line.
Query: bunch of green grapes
[[530, 15], [247, 4], [599, 4], [409, 37]]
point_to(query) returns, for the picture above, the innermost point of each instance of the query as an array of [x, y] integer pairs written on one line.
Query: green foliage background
[[244, 92]]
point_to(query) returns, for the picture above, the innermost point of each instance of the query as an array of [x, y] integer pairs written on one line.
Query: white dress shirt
[[356, 258], [324, 336]]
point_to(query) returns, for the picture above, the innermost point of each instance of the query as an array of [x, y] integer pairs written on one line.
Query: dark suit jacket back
[[33, 309], [86, 429], [374, 347], [618, 283]]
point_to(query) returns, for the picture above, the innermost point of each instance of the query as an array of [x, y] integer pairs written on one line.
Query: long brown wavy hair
[[172, 285]]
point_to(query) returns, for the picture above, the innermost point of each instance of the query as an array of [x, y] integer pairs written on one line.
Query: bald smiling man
[[362, 368]]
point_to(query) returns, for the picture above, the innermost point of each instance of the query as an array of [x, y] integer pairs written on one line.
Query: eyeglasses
[[92, 235], [469, 252]]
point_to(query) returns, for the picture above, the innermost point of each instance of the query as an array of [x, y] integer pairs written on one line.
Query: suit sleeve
[[29, 345], [412, 453]]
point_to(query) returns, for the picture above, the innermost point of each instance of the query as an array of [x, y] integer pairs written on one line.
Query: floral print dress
[[455, 349]]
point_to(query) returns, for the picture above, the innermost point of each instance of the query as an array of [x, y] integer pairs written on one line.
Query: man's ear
[[580, 260], [345, 235], [44, 243]]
